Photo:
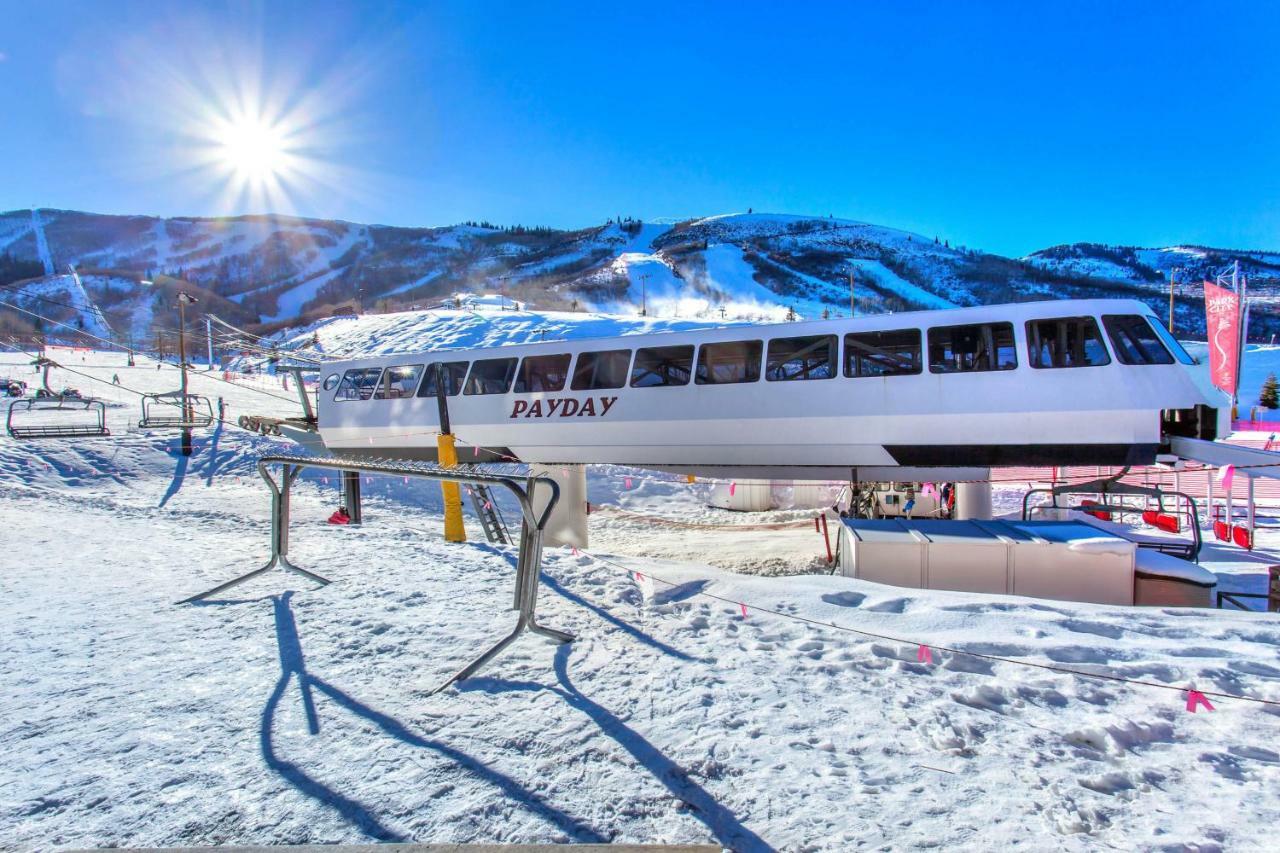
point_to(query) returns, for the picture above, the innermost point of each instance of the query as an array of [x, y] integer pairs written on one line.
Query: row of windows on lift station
[[1055, 343]]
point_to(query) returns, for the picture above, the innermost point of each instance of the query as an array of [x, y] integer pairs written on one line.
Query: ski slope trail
[[42, 243]]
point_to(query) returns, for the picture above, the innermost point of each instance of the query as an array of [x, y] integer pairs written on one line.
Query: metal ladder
[[495, 527]]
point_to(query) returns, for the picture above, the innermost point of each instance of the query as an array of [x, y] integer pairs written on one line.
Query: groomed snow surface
[[286, 713]]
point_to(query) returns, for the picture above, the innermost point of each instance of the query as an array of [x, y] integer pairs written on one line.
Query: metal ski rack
[[528, 563]]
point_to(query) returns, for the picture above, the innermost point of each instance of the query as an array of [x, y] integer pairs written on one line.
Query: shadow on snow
[[293, 666]]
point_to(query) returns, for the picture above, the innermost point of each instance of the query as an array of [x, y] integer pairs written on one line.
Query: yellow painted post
[[453, 528]]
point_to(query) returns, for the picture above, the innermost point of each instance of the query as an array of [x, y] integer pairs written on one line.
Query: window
[[1171, 342], [969, 349], [597, 370], [658, 366], [542, 373], [1066, 342], [331, 381], [1134, 340], [801, 358], [399, 382], [728, 363], [454, 373], [895, 353], [358, 384], [490, 376]]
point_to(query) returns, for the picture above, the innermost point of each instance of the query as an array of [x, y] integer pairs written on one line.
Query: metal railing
[[528, 564]]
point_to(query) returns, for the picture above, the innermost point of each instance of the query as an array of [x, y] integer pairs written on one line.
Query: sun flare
[[255, 150]]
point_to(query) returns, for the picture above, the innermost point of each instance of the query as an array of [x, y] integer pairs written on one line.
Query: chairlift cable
[[204, 374]]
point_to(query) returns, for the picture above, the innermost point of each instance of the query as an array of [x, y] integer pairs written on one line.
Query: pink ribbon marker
[[406, 481], [1195, 697], [744, 609], [488, 504], [476, 448], [639, 576], [628, 482], [573, 551], [1226, 475], [924, 654], [733, 487]]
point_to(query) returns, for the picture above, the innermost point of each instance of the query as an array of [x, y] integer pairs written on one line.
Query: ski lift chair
[[1112, 506], [173, 410], [57, 417]]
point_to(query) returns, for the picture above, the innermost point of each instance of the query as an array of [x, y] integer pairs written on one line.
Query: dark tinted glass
[[801, 358], [490, 376], [601, 370], [1134, 340], [729, 363], [399, 382], [1171, 342], [358, 384], [542, 373], [1066, 342], [895, 353], [971, 349], [659, 366], [454, 374]]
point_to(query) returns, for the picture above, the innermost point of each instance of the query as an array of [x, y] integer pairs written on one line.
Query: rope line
[[1065, 670]]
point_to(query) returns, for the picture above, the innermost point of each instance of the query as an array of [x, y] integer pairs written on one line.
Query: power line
[[97, 310], [127, 349]]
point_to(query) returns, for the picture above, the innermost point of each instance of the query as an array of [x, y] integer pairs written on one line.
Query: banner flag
[[1222, 322]]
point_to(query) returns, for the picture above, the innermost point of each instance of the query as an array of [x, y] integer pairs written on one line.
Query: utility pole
[[183, 299], [644, 295], [208, 331], [853, 310], [1172, 274]]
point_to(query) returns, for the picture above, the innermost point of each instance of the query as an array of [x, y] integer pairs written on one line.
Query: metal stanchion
[[528, 565]]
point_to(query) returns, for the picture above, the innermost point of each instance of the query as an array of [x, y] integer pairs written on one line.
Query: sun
[[255, 150]]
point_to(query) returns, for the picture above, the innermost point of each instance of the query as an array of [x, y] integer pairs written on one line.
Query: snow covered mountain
[[280, 270], [1147, 267]]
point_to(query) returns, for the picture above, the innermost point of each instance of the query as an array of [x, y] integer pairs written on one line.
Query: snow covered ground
[[286, 713]]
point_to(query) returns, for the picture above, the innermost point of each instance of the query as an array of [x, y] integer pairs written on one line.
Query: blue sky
[[1004, 126]]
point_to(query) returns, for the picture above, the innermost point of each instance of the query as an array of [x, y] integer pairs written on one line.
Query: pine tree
[[1270, 397]]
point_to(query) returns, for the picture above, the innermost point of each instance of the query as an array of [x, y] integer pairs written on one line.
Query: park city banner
[[1222, 320]]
